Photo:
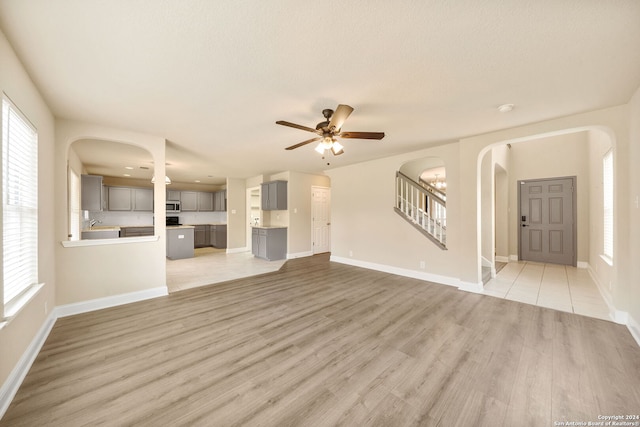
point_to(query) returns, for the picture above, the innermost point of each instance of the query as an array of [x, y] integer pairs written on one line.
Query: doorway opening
[[547, 219]]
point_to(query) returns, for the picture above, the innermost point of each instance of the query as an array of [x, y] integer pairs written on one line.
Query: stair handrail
[[422, 208]]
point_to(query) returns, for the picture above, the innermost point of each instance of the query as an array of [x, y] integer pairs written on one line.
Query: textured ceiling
[[213, 77]]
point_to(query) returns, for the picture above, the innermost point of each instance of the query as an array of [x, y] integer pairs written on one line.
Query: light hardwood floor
[[320, 343]]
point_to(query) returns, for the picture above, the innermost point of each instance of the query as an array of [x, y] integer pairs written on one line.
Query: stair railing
[[424, 206]]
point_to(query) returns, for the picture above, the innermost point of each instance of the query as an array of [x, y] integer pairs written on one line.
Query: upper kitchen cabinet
[[173, 195], [205, 202], [120, 199], [189, 201], [130, 199], [142, 199], [201, 201], [274, 195], [220, 201], [91, 190]]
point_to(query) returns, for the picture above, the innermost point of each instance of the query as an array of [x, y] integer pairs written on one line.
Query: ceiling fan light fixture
[[320, 148], [337, 148]]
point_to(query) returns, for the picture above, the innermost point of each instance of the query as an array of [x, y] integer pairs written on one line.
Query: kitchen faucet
[[92, 222]]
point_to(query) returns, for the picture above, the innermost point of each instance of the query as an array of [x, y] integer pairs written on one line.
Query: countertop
[[209, 223], [174, 227], [102, 228], [269, 226]]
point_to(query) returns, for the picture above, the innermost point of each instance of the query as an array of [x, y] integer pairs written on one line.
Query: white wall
[[20, 331]]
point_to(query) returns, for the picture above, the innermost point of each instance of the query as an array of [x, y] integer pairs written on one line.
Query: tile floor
[[210, 265], [554, 286]]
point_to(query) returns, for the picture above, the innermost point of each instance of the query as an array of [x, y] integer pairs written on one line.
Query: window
[[19, 204], [607, 192]]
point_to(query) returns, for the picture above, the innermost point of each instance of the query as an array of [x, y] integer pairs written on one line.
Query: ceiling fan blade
[[339, 116], [362, 135], [300, 144], [293, 125]]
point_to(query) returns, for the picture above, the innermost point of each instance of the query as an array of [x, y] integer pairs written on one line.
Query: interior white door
[[547, 220], [321, 221]]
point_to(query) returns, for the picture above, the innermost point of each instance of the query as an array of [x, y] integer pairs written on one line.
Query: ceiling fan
[[331, 128]]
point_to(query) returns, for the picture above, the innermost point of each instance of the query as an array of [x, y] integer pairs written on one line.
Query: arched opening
[[502, 170], [421, 194], [109, 186]]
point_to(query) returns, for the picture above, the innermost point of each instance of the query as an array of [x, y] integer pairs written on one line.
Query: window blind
[[607, 189], [20, 202]]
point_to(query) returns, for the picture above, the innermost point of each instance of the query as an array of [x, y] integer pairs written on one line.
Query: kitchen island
[[180, 241]]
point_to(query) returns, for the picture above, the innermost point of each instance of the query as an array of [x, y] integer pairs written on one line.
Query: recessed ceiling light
[[197, 180], [144, 167], [126, 174], [505, 108], [129, 168]]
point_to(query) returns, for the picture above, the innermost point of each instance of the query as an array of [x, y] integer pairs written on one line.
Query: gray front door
[[546, 220]]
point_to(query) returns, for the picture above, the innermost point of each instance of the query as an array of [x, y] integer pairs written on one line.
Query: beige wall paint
[[299, 207], [236, 213], [366, 229], [91, 272], [632, 204], [363, 197], [16, 336], [556, 156]]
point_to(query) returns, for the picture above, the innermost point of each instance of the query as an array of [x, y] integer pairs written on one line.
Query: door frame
[[574, 225], [313, 249]]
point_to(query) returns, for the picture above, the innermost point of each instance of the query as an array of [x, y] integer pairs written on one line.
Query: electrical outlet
[[46, 309], [350, 253], [423, 265]]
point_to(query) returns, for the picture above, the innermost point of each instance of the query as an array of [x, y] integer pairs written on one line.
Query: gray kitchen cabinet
[[120, 199], [136, 231], [173, 195], [269, 243], [91, 192], [218, 236], [180, 242], [189, 201], [100, 234], [205, 202], [274, 195], [201, 236], [142, 199], [220, 201]]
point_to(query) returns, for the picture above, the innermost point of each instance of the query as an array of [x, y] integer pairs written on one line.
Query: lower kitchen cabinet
[[136, 231], [218, 236], [201, 236], [269, 243]]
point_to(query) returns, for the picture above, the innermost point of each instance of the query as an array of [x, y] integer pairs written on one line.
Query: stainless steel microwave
[[173, 206]]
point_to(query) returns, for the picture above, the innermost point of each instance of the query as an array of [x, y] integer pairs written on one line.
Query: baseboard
[[634, 328], [427, 277], [502, 258], [112, 301], [19, 372], [237, 250], [300, 255]]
